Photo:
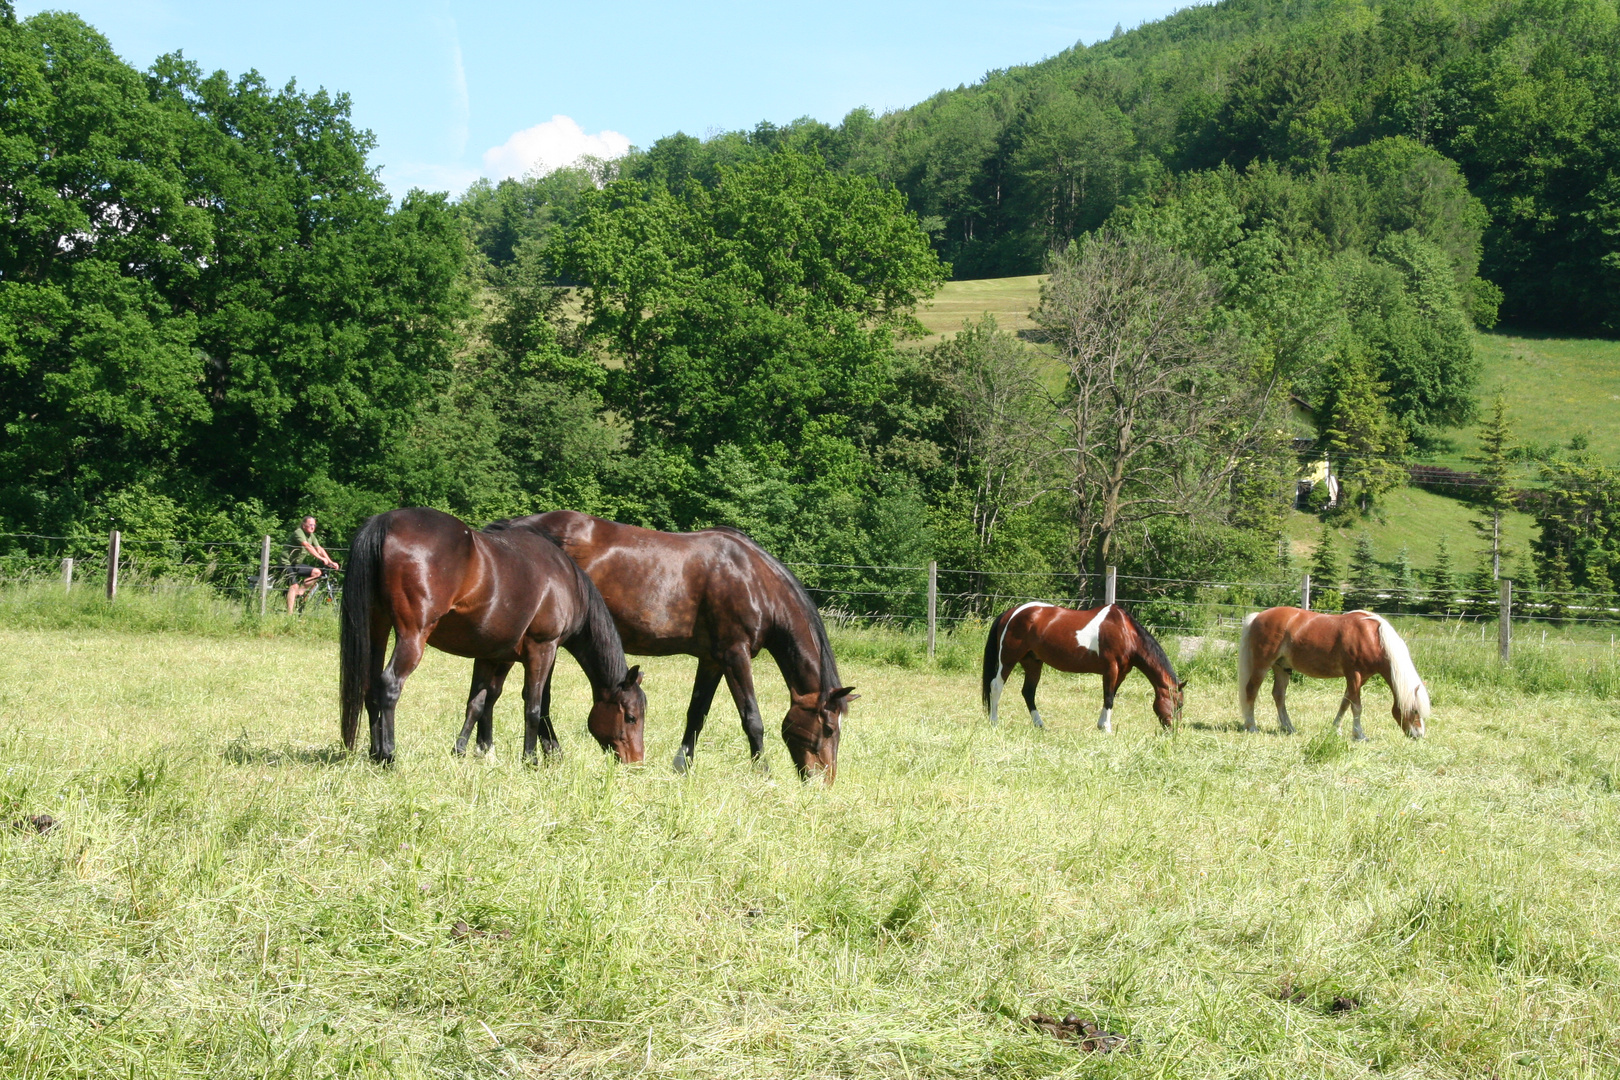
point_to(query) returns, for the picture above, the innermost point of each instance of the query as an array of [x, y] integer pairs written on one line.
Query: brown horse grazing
[[1106, 641], [502, 596], [1352, 647], [720, 597]]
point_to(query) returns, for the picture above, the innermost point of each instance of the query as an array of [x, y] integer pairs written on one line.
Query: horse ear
[[632, 677], [1182, 685], [843, 693]]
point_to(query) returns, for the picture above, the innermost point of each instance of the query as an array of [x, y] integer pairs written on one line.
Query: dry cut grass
[[227, 896]]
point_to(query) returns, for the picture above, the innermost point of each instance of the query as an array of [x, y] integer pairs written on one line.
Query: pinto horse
[[1106, 641], [1353, 647], [720, 597], [500, 596]]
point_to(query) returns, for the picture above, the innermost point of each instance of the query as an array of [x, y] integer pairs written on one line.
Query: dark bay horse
[[720, 597], [1354, 647], [500, 596], [1106, 641]]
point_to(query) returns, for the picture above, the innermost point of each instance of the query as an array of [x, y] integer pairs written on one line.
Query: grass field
[[1556, 388], [227, 896], [1415, 519], [1010, 300]]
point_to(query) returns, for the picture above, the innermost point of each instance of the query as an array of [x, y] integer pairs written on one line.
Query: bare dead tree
[[1000, 406], [1161, 411]]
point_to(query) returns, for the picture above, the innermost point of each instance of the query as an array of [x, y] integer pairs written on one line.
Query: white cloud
[[548, 146]]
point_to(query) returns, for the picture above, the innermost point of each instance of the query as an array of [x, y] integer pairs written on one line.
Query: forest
[[213, 319]]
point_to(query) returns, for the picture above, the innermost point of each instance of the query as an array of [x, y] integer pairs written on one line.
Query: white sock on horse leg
[[1105, 719], [1355, 709], [1035, 718], [996, 685]]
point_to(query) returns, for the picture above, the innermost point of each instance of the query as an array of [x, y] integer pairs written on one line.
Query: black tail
[[360, 588], [992, 654]]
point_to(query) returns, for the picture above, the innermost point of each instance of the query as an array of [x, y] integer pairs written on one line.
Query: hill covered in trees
[[213, 319]]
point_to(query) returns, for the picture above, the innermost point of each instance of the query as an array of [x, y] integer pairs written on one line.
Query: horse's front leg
[[487, 679], [739, 669], [1279, 694], [1032, 679], [538, 659], [697, 711], [1111, 680], [1352, 697]]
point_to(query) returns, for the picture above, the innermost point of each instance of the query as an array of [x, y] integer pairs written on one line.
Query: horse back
[[694, 593], [1318, 644], [477, 593], [1065, 638]]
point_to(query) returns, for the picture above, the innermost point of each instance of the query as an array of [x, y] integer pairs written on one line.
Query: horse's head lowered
[[811, 729], [619, 717], [1167, 699], [1412, 717]]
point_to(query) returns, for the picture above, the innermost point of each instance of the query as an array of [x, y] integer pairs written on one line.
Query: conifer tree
[[1365, 441], [1555, 583], [1325, 574], [1364, 574], [1442, 580], [1495, 446], [1404, 584]]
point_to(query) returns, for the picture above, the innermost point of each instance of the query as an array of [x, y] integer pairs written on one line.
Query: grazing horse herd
[[517, 590]]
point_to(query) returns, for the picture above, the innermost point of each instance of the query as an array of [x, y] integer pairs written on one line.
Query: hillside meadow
[[227, 895]]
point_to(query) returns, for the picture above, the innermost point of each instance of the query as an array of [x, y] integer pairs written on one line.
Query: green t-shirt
[[296, 555]]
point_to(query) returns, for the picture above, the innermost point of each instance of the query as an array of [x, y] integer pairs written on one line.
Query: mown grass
[[226, 895], [1413, 518], [1010, 300], [1555, 387]]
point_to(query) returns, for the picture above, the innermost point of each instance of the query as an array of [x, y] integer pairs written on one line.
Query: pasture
[[226, 896]]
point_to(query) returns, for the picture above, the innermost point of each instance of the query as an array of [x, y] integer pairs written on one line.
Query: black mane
[[826, 663], [1151, 646]]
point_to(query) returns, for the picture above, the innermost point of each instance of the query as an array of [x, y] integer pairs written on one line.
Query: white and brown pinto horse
[[1106, 641], [1354, 647]]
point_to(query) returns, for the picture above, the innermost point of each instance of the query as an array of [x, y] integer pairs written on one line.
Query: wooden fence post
[[264, 575], [114, 545], [1504, 620], [1109, 589], [1305, 593], [933, 602], [67, 575]]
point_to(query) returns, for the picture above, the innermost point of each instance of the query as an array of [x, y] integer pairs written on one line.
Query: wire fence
[[927, 597]]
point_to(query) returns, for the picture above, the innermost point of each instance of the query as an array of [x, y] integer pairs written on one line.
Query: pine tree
[[1442, 580], [1325, 573], [1364, 574], [1405, 584], [1555, 583], [1364, 439], [1480, 588], [1495, 446]]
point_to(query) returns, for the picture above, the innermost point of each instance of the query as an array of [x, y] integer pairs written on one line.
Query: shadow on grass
[[241, 751]]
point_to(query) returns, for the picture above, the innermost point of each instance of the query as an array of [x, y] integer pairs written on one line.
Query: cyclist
[[304, 554]]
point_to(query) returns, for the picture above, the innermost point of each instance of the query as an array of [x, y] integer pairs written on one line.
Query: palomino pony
[[1106, 641], [502, 596], [1353, 647], [720, 597]]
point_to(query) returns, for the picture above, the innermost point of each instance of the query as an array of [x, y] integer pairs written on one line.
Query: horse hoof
[[681, 763], [1361, 738]]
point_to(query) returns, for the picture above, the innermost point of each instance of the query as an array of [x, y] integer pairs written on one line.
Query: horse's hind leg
[[697, 710], [1279, 694], [538, 659], [487, 679], [1032, 679], [385, 691]]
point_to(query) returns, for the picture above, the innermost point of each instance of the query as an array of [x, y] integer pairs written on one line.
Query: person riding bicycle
[[304, 554]]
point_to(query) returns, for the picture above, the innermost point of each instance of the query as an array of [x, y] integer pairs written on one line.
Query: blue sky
[[492, 87]]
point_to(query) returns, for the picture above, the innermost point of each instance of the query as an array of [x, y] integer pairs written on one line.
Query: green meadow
[[225, 894]]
